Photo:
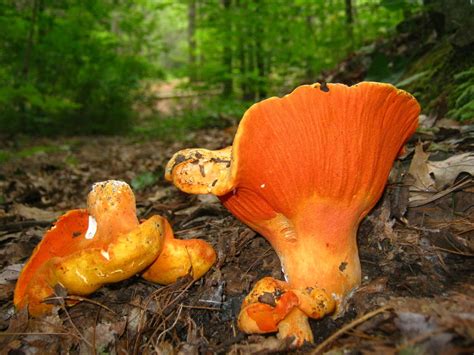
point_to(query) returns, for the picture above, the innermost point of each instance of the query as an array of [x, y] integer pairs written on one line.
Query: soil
[[417, 294]]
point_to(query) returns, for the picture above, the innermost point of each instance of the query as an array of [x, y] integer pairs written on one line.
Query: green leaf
[[144, 180]]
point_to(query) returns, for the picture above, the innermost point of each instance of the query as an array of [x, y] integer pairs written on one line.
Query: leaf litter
[[416, 250]]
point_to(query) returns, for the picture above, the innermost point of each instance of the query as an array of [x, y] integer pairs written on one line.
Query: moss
[[461, 101], [447, 83]]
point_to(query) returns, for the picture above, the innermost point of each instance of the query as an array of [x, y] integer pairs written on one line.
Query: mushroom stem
[[337, 272], [318, 248], [296, 325], [319, 256]]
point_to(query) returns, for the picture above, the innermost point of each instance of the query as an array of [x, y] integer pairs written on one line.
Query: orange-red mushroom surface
[[88, 248], [304, 170]]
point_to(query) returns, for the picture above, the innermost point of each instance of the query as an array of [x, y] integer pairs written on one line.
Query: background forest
[[102, 67]]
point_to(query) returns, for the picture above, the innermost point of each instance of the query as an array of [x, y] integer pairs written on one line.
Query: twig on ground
[[81, 336], [202, 307], [170, 327], [265, 253], [35, 333], [319, 349], [458, 186], [454, 252]]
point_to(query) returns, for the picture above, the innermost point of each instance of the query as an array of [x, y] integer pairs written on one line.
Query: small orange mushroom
[[303, 171], [86, 249], [273, 306], [103, 244]]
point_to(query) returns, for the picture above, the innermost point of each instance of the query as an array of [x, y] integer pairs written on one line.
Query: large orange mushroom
[[104, 243], [303, 171]]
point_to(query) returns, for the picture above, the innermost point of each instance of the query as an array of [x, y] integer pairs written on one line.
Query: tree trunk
[[227, 81], [310, 73], [30, 40], [350, 24], [192, 40], [243, 50], [260, 60]]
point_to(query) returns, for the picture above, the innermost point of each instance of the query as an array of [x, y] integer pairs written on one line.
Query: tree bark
[[243, 50], [227, 81], [192, 40], [350, 23], [260, 59], [30, 40]]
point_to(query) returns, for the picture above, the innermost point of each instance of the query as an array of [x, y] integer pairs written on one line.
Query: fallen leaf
[[427, 121], [159, 194], [34, 213], [448, 123], [431, 177], [446, 171], [103, 334], [420, 172], [208, 199], [10, 273]]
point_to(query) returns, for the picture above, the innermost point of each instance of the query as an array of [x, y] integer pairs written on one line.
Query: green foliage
[[263, 47], [69, 66], [249, 50], [213, 112], [78, 67], [442, 79], [463, 96]]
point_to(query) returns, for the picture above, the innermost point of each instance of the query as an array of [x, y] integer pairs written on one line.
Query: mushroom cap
[[180, 258], [200, 171], [266, 306], [336, 144], [82, 254]]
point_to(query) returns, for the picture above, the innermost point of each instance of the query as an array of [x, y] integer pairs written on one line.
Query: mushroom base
[[314, 264], [318, 248]]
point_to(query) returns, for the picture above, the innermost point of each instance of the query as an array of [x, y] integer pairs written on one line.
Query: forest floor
[[416, 249]]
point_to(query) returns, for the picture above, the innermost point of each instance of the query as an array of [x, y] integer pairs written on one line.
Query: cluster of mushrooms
[[303, 171]]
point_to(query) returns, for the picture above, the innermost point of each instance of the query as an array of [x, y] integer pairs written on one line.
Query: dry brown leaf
[[430, 177], [10, 273], [102, 335], [37, 214], [420, 172], [445, 172]]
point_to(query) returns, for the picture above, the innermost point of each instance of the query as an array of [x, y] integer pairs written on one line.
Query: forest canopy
[[70, 66]]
